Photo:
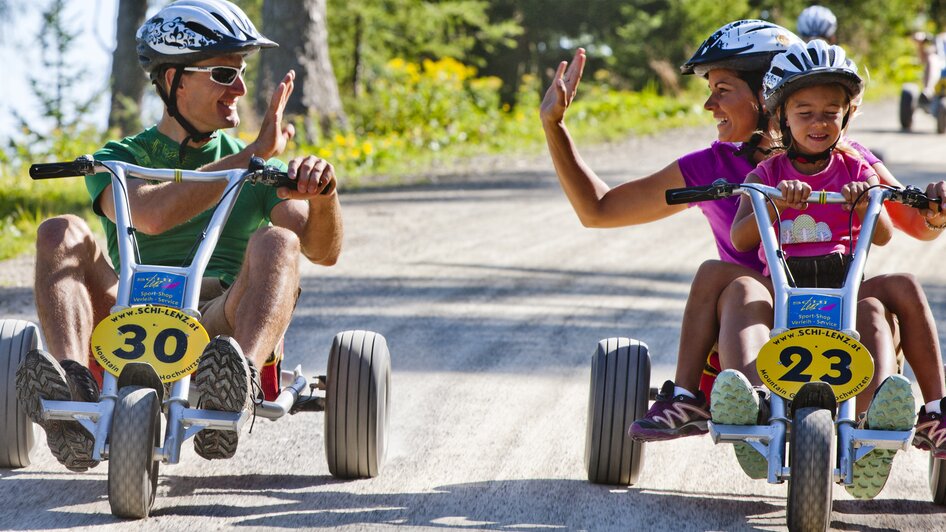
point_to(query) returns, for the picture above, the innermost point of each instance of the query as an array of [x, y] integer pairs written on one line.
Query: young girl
[[809, 89]]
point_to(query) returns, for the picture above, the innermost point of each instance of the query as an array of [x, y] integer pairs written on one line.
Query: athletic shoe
[[931, 431], [40, 376], [892, 408], [223, 382], [672, 417], [735, 402]]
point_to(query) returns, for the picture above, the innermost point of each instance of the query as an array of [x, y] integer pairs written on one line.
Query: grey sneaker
[[735, 402], [892, 408], [41, 376], [223, 383]]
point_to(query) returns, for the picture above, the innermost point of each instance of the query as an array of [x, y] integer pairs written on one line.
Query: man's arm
[[314, 216]]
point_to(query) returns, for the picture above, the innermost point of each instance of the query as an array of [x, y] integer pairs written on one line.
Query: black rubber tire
[[812, 461], [908, 101], [938, 480], [939, 111], [620, 389], [132, 471], [357, 399], [17, 436]]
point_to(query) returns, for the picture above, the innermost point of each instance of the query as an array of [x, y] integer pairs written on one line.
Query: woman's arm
[[745, 231], [597, 204], [908, 219]]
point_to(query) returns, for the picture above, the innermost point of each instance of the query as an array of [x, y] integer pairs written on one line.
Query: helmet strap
[[170, 102]]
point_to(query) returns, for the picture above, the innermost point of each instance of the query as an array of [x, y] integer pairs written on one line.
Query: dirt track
[[492, 298]]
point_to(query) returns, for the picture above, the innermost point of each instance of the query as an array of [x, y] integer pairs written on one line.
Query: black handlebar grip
[[53, 170], [677, 196]]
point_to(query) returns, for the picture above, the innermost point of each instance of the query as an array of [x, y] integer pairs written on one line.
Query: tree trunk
[[128, 80], [300, 28]]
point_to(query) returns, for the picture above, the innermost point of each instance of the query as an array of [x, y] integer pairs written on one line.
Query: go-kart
[[151, 342], [813, 365], [931, 98]]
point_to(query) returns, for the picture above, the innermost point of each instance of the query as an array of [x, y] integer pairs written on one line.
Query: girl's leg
[[745, 318], [904, 297], [712, 303], [878, 339]]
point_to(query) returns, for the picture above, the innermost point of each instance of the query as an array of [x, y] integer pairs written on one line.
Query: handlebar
[[258, 172], [910, 196]]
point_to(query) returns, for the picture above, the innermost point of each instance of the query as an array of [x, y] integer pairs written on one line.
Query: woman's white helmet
[[188, 31], [817, 22], [743, 45], [804, 65]]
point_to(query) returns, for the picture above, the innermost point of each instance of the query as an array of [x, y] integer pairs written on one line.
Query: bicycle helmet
[[189, 31], [742, 45], [803, 65], [817, 22]]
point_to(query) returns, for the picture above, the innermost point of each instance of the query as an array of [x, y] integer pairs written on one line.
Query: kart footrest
[[308, 404]]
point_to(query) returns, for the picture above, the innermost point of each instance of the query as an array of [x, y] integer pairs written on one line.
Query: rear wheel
[[620, 388], [132, 469], [356, 404], [812, 459], [17, 337], [908, 100], [938, 480]]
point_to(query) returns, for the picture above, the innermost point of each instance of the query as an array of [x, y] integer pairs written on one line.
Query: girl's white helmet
[[743, 45], [805, 65], [817, 22], [188, 31]]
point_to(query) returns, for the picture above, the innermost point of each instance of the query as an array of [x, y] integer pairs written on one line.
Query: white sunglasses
[[224, 75]]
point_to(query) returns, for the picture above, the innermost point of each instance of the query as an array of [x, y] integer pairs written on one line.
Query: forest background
[[392, 91]]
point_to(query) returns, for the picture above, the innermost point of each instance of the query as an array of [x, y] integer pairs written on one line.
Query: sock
[[934, 407], [677, 390]]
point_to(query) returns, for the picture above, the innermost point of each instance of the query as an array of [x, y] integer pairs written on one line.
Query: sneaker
[[223, 383], [735, 402], [892, 408], [40, 376], [931, 432], [672, 417]]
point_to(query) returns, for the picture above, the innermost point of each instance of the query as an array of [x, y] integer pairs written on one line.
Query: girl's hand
[[794, 194], [851, 191], [563, 89]]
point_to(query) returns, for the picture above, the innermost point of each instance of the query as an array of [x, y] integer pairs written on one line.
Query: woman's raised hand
[[563, 88]]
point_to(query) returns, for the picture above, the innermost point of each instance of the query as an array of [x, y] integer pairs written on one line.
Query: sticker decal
[[166, 338], [158, 288], [814, 311], [796, 357]]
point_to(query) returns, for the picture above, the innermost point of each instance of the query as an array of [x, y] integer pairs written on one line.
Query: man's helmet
[[744, 45], [817, 22], [805, 65], [188, 31]]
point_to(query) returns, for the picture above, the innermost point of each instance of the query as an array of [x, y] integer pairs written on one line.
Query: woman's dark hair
[[753, 79]]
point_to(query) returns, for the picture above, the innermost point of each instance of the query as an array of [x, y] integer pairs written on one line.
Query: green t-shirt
[[171, 248]]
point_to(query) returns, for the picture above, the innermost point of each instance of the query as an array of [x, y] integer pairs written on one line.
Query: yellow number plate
[[810, 354], [164, 337]]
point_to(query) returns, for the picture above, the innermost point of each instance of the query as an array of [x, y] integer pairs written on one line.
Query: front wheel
[[356, 404], [17, 338], [132, 469], [620, 388], [812, 459]]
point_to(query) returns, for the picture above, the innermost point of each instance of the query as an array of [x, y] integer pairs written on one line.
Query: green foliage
[[365, 34]]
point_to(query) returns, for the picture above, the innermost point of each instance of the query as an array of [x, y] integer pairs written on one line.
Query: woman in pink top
[[727, 300]]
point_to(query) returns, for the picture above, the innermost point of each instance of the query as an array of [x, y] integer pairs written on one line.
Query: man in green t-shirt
[[194, 51]]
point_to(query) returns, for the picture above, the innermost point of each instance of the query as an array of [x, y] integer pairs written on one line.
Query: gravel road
[[492, 298]]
